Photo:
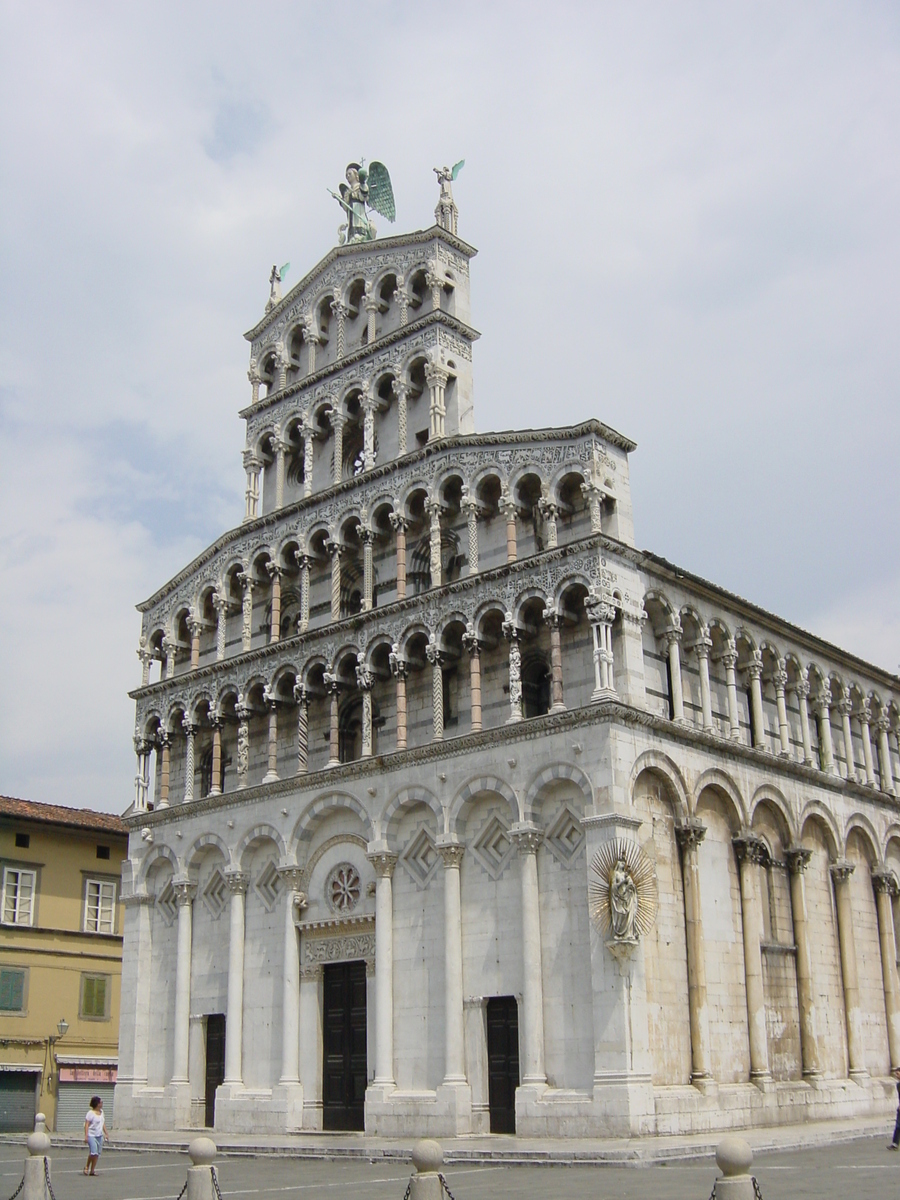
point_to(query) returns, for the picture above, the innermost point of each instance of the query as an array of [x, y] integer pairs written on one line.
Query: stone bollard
[[427, 1158], [199, 1177], [733, 1158], [37, 1165]]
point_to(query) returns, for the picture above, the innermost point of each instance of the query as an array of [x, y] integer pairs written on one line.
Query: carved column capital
[[332, 683], [383, 862], [364, 679], [527, 839], [750, 848], [884, 880], [434, 654], [293, 878], [398, 522], [470, 640], [237, 882], [690, 833], [301, 693], [184, 890], [451, 853], [798, 859], [274, 570], [367, 535], [842, 870], [399, 666]]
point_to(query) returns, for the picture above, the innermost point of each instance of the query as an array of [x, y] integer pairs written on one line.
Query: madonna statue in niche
[[623, 901]]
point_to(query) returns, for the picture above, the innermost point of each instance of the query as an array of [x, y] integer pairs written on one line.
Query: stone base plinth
[[279, 1110], [445, 1112]]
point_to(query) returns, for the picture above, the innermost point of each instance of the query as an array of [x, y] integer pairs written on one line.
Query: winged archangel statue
[[364, 189]]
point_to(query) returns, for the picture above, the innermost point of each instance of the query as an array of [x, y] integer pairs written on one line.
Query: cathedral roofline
[[419, 237], [364, 352], [462, 441]]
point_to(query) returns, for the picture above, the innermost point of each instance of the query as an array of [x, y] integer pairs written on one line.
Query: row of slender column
[[822, 706], [237, 882], [600, 617], [752, 856]]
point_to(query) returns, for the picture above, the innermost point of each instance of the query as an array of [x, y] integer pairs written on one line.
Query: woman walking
[[94, 1131]]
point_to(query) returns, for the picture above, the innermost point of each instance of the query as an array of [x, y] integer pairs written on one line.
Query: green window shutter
[[87, 1002], [100, 996], [12, 991], [93, 996]]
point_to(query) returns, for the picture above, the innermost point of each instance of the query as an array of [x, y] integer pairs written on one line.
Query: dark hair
[[95, 1100]]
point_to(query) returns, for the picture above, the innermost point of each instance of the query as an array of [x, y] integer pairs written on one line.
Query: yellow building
[[60, 961]]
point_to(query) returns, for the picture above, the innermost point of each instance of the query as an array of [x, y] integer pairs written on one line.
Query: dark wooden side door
[[215, 1063], [344, 1036], [503, 1062]]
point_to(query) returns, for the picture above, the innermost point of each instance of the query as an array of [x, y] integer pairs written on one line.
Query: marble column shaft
[[455, 1068], [234, 1006], [798, 859], [841, 872], [751, 855], [690, 835], [184, 895]]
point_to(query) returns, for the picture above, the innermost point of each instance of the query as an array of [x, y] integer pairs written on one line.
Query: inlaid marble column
[[246, 582], [190, 730], [401, 394], [527, 839], [865, 718], [757, 723], [845, 707], [309, 444], [164, 744], [303, 562], [146, 657], [690, 834], [886, 888], [729, 661], [338, 421], [507, 506], [454, 1047], [400, 524], [883, 724], [384, 864], [311, 338], [436, 658], [823, 720], [253, 466], [195, 628], [340, 314], [601, 614], [433, 509], [798, 859], [594, 497], [255, 381], [142, 776], [184, 897], [473, 646], [220, 604], [673, 642], [554, 619], [364, 681], [169, 649], [550, 513], [402, 297], [779, 682], [311, 1047], [293, 879], [801, 689], [332, 687], [215, 788], [373, 308], [281, 448], [301, 696], [368, 406], [271, 775], [702, 646], [237, 882], [752, 854], [436, 378], [399, 669], [275, 573], [335, 549], [469, 505], [511, 633], [242, 712], [367, 537], [840, 873]]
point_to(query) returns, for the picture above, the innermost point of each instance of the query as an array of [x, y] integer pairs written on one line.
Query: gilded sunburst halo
[[621, 863]]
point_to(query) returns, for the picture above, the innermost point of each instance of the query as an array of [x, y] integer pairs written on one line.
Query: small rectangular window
[[95, 996], [23, 841], [18, 896], [12, 990], [100, 906], [103, 851]]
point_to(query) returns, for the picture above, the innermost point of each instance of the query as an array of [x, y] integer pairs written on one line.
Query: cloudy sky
[[687, 223]]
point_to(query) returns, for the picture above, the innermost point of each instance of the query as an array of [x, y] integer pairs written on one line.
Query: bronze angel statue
[[364, 189]]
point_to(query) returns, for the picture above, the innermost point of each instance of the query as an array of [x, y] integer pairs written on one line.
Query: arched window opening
[[350, 730], [535, 686]]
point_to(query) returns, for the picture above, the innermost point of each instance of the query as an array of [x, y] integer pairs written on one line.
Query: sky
[[686, 217]]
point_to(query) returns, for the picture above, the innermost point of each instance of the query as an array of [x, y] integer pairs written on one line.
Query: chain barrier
[[712, 1194], [445, 1187], [47, 1177], [215, 1181], [756, 1190], [18, 1189], [408, 1189], [183, 1190]]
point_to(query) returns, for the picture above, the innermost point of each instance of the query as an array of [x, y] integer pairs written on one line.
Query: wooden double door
[[344, 1069], [503, 1062]]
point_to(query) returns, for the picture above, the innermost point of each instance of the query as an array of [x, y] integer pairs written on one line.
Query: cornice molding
[[604, 712]]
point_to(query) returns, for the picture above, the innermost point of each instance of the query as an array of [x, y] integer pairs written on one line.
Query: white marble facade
[[391, 719]]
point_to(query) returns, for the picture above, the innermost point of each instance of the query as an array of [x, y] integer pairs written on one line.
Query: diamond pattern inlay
[[565, 837], [268, 885], [420, 858], [215, 894], [493, 848], [166, 903]]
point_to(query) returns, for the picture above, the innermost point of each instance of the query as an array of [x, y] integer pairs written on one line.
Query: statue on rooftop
[[364, 189], [446, 214]]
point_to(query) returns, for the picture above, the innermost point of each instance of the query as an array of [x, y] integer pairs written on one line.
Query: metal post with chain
[[47, 1178], [445, 1187]]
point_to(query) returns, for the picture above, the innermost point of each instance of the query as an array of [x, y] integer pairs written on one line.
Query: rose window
[[343, 888]]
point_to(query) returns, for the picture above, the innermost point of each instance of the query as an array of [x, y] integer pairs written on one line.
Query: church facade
[[455, 812]]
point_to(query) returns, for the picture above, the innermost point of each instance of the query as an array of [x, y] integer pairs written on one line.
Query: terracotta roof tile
[[58, 814]]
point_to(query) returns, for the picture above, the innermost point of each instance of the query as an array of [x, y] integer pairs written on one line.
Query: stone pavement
[[496, 1148]]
